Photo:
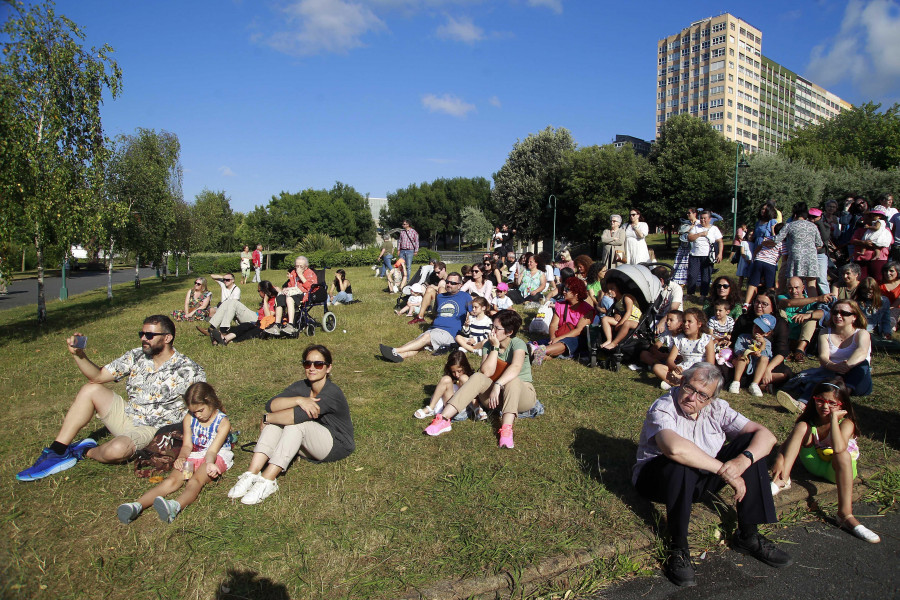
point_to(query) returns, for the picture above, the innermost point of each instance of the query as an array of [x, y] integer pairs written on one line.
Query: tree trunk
[[109, 269], [23, 259], [176, 265]]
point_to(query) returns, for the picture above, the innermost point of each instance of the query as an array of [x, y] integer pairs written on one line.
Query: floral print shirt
[[154, 395]]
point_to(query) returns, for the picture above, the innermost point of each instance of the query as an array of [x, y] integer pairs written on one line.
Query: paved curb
[[801, 490]]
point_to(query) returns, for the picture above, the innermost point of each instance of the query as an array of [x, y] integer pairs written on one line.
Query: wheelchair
[[317, 296]]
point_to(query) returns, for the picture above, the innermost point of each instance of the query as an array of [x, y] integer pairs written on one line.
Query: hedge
[[219, 263], [224, 263]]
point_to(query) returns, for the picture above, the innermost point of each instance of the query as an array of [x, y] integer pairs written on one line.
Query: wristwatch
[[749, 455]]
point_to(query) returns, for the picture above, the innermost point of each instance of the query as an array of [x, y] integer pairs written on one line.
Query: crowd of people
[[754, 340]]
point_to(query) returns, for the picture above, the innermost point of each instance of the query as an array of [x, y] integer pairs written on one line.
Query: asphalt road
[[24, 292], [828, 563]]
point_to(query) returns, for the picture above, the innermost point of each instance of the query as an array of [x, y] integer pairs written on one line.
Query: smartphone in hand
[[80, 342]]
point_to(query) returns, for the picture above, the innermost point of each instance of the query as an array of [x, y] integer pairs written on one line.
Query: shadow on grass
[[609, 461], [878, 425], [65, 317], [248, 585]]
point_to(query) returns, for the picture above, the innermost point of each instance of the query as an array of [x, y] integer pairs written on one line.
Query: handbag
[[498, 371]]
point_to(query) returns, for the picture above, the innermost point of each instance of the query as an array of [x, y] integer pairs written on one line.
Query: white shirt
[[700, 246], [233, 294]]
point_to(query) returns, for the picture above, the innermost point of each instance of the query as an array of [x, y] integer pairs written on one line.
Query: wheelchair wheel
[[329, 322], [310, 330]]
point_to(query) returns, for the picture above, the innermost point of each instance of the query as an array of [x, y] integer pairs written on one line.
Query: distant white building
[[375, 205]]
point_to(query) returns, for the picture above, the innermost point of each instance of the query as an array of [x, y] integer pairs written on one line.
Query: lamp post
[[739, 161], [551, 203], [64, 291]]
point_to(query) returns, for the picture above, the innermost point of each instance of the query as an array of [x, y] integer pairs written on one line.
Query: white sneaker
[[665, 385], [288, 329], [754, 390], [735, 387], [789, 404], [243, 485], [261, 490], [776, 488], [273, 329]]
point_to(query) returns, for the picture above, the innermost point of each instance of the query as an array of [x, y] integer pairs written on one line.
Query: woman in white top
[[845, 349], [478, 285], [635, 239]]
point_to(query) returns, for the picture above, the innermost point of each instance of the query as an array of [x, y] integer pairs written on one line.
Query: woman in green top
[[512, 390], [246, 256]]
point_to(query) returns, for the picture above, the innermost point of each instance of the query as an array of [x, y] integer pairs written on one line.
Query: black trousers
[[678, 487]]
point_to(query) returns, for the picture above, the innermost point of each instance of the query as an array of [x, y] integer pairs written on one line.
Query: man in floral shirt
[[157, 375]]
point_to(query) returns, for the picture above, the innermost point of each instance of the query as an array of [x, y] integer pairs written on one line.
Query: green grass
[[399, 514]]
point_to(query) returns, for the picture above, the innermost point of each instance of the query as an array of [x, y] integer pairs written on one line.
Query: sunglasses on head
[[319, 364], [149, 334]]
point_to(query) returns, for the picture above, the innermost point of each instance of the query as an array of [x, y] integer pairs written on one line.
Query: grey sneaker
[[390, 354], [788, 402], [129, 511], [288, 329], [166, 509], [273, 329]]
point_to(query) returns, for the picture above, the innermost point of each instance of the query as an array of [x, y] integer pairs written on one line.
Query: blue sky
[[272, 95]]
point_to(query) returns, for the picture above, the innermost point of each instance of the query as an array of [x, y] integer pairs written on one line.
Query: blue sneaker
[[78, 450], [48, 463]]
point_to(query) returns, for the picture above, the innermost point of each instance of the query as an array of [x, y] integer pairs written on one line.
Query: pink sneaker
[[506, 437], [438, 426]]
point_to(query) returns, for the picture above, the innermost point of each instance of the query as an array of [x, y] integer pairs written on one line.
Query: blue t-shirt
[[451, 311]]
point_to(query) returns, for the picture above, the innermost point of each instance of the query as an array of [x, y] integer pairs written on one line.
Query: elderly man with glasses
[[693, 444], [157, 376], [452, 307]]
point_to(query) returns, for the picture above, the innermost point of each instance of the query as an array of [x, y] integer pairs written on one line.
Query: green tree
[[145, 173], [861, 136], [53, 88], [598, 181], [774, 177], [362, 227], [475, 226], [532, 171], [213, 222], [180, 240], [691, 165]]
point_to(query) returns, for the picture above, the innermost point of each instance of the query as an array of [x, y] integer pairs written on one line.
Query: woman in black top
[[311, 419]]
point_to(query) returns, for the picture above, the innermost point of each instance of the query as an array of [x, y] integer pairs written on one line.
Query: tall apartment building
[[714, 69]]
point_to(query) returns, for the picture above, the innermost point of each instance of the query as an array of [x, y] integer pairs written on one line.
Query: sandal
[[798, 356], [424, 413], [860, 531]]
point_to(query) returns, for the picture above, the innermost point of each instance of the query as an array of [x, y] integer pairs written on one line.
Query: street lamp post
[[64, 291], [739, 161], [551, 203]]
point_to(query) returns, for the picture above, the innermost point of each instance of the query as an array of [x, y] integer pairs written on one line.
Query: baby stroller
[[318, 296], [645, 287]]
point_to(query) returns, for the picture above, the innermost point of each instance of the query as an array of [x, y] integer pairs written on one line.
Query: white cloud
[[324, 26], [495, 101], [226, 172], [448, 104], [866, 51], [461, 30], [554, 5]]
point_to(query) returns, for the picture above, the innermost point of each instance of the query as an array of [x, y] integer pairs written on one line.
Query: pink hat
[[815, 212], [502, 287]]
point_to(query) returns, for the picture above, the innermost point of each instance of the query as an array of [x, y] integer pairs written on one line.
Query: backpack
[[158, 457], [541, 321]]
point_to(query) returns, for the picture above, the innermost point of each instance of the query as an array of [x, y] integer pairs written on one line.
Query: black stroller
[[645, 287]]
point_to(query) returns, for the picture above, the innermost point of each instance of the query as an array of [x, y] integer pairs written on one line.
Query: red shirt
[[257, 258], [308, 274]]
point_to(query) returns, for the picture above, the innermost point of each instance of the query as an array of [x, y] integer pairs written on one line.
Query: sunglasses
[[149, 334], [226, 280], [318, 364], [723, 285], [198, 283], [844, 313], [476, 270], [453, 282]]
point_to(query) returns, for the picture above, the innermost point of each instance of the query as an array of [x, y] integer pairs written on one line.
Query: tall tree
[[213, 222], [531, 173], [362, 228], [691, 165], [55, 88], [475, 227]]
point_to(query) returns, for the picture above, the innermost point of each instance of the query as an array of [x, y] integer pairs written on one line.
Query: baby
[[752, 354], [721, 324]]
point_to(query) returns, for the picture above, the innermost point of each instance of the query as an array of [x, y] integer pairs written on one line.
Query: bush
[[208, 262], [350, 258], [314, 242]]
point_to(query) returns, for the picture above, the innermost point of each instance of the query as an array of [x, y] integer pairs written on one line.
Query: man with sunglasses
[[157, 376], [452, 307], [230, 291], [693, 444]]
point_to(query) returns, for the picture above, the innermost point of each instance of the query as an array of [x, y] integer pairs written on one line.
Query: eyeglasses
[[633, 215], [149, 334], [824, 402], [453, 282], [318, 364], [227, 279], [497, 328], [843, 313], [198, 283], [692, 391], [723, 285]]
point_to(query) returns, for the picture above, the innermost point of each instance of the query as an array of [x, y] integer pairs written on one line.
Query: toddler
[[395, 277], [501, 301], [721, 325], [659, 351], [414, 302], [478, 325], [752, 354], [456, 372], [205, 455]]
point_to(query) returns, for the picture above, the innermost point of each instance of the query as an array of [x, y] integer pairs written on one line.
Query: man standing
[[158, 376], [387, 256], [693, 443], [702, 237], [409, 244], [300, 280], [453, 306], [257, 263]]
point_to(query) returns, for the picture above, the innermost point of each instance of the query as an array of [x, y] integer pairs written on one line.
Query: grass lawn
[[403, 511]]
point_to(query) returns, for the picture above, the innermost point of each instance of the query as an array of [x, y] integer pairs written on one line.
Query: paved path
[[828, 563], [24, 292]]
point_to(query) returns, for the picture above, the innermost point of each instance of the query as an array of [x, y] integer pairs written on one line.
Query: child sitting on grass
[[693, 345], [623, 316], [414, 302], [456, 372], [752, 354], [478, 325], [501, 300], [658, 353], [205, 455], [824, 439]]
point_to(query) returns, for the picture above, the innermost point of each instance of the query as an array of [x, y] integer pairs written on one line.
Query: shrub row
[[350, 258], [220, 263]]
